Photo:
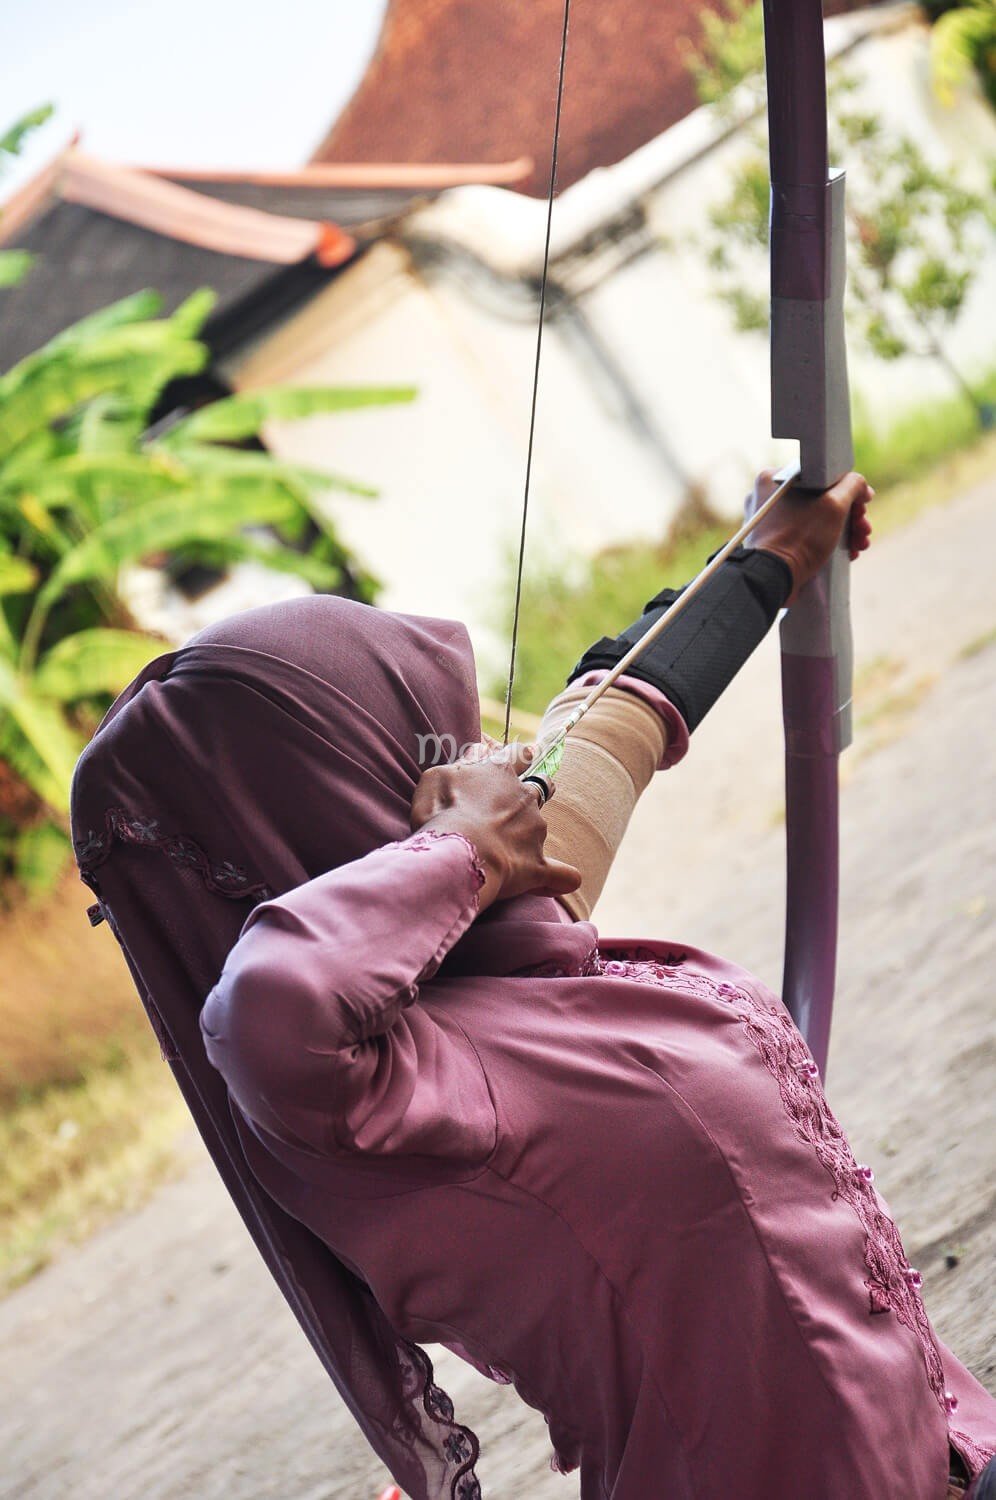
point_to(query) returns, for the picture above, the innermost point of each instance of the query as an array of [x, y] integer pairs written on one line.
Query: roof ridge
[[361, 175], [23, 204], [176, 212]]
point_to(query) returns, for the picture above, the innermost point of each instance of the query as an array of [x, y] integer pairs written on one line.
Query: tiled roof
[[458, 79], [264, 239]]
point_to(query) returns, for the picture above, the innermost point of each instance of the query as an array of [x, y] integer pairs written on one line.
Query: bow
[[809, 402]]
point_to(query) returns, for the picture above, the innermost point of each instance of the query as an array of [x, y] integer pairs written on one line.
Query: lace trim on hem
[[223, 878], [893, 1285], [459, 1446]]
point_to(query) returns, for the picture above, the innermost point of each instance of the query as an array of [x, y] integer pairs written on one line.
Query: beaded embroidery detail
[[426, 839], [893, 1284]]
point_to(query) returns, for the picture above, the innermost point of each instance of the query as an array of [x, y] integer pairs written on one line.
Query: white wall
[[451, 467]]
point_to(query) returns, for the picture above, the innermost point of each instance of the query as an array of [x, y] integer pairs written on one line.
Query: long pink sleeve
[[312, 1022]]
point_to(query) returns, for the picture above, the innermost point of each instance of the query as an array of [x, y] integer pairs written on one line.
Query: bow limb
[[809, 402]]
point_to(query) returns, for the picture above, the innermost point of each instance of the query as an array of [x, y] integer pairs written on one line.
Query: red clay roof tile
[[475, 80]]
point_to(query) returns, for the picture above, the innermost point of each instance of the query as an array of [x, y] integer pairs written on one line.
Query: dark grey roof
[[86, 260]]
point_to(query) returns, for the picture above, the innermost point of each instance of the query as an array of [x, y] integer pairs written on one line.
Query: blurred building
[[414, 267]]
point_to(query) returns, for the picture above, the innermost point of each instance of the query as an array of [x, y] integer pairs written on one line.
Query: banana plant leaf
[[68, 482], [94, 661], [193, 312], [17, 575], [14, 266], [14, 137], [202, 458], [324, 576], [163, 524], [136, 308], [239, 417], [40, 854], [21, 465], [23, 759], [138, 360], [52, 746], [82, 496], [108, 424]]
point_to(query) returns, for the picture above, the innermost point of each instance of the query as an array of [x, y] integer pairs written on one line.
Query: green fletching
[[550, 763]]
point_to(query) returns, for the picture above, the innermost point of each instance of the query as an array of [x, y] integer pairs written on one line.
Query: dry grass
[[938, 484], [886, 719], [67, 1003], [80, 1153], [89, 1113], [980, 644]]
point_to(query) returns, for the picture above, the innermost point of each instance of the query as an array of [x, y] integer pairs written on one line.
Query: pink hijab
[[275, 746]]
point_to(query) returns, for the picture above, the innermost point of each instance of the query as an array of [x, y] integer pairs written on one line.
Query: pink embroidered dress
[[604, 1171]]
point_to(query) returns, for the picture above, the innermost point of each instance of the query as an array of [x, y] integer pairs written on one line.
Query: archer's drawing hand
[[486, 802], [804, 531]]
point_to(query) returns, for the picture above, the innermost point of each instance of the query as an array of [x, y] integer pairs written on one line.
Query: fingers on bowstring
[[485, 749], [518, 755]]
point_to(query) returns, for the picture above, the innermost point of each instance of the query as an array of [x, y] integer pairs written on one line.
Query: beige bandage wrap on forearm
[[608, 761]]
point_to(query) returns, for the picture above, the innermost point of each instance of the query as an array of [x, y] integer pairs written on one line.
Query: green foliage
[[88, 488], [564, 609], [731, 50], [963, 39], [35, 738], [17, 575], [91, 662], [13, 139], [241, 417], [742, 217], [39, 854], [15, 264], [917, 439], [916, 234]]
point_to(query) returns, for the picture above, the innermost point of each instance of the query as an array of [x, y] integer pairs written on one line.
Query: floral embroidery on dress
[[893, 1285], [460, 1447], [591, 964], [225, 878], [670, 970], [427, 838]]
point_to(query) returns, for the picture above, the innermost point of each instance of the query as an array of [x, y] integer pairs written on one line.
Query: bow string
[[809, 403]]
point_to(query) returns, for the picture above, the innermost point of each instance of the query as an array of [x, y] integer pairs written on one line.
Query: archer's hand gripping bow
[[809, 402]]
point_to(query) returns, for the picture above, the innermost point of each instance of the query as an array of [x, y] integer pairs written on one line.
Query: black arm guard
[[696, 658]]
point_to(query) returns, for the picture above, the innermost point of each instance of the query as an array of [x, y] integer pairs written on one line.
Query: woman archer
[[449, 1111]]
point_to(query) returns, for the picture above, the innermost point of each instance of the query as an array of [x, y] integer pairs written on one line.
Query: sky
[[226, 83]]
